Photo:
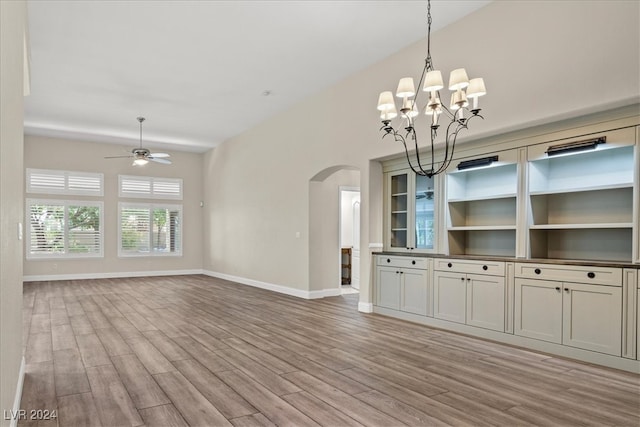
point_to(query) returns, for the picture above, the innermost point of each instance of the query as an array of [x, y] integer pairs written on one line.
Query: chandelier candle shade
[[463, 91]]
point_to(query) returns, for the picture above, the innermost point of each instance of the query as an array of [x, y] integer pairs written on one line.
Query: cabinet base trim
[[365, 307], [528, 343]]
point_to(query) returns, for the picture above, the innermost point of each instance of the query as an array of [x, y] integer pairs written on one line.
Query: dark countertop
[[614, 264]]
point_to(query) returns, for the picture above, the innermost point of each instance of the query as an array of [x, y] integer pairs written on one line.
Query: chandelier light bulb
[[140, 162]]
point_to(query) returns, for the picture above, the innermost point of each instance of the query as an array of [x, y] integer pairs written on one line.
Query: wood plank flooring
[[193, 350]]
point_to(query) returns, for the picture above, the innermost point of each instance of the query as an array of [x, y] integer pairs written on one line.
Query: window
[[64, 182], [149, 229], [64, 229], [147, 187]]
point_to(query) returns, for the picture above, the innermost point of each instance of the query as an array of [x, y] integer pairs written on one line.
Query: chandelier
[[462, 89]]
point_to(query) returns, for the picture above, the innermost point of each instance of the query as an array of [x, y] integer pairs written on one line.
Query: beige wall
[[12, 19], [50, 153], [541, 61]]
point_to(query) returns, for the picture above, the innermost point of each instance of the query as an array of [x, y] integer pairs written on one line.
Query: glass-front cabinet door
[[410, 212], [424, 206]]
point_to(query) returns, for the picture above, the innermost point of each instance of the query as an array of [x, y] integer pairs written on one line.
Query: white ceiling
[[198, 70]]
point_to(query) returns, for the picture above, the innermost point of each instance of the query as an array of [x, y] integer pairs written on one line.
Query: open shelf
[[482, 209], [486, 212], [485, 183], [581, 205], [596, 244], [494, 242], [582, 171]]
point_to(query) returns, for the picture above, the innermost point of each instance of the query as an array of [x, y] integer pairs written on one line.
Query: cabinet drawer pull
[[388, 260], [397, 272], [413, 262], [566, 289], [462, 278], [485, 268], [402, 272], [468, 279], [557, 288], [537, 271], [449, 265], [591, 275]]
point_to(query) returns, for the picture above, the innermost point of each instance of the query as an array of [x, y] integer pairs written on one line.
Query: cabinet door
[[485, 301], [593, 317], [400, 210], [538, 310], [414, 291], [388, 288], [449, 296]]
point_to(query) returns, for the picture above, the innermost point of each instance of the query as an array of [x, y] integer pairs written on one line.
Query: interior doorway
[[349, 225]]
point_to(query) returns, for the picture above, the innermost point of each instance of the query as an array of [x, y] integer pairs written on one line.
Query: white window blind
[[62, 228], [147, 187], [64, 182], [149, 229]]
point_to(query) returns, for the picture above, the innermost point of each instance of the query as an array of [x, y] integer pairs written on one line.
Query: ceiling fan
[[141, 156]]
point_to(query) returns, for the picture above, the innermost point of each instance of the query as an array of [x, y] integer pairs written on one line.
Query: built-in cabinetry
[[482, 204], [470, 292], [409, 218], [571, 305], [581, 204], [531, 238], [576, 310], [403, 283]]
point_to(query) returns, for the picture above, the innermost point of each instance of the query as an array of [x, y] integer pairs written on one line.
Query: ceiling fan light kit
[[463, 90], [141, 156]]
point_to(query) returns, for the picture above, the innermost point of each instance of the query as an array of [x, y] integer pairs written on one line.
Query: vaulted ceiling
[[202, 72]]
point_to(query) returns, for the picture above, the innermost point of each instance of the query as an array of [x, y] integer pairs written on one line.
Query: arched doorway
[[324, 227]]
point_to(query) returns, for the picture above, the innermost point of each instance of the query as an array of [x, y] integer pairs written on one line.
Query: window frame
[[150, 207], [29, 255]]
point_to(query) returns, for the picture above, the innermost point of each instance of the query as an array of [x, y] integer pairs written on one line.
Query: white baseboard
[[114, 275], [18, 397], [275, 288], [365, 307]]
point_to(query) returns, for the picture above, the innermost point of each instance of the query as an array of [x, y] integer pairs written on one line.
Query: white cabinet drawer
[[571, 273], [494, 268], [402, 261]]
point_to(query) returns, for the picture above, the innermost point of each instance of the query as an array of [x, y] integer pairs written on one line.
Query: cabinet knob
[[566, 289], [591, 275], [402, 272], [468, 279], [449, 265], [397, 272], [537, 271], [557, 288], [388, 260], [413, 262], [485, 268], [462, 278]]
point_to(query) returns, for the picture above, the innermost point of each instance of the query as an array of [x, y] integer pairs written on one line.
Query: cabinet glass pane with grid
[[410, 212]]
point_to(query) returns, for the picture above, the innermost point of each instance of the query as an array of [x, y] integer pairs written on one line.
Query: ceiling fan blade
[[160, 155], [163, 161], [117, 157]]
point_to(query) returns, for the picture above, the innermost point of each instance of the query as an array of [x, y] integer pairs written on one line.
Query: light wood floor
[[192, 350]]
